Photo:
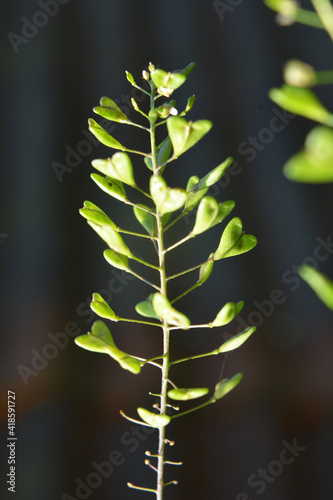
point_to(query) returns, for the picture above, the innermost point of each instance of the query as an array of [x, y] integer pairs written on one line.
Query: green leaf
[[214, 175], [116, 259], [130, 78], [145, 308], [165, 311], [192, 195], [103, 136], [93, 213], [206, 269], [109, 110], [102, 308], [186, 394], [237, 340], [228, 312], [100, 340], [224, 210], [303, 102], [111, 238], [189, 105], [146, 219], [226, 385], [163, 153], [166, 82], [184, 134], [207, 212], [110, 186], [153, 419], [166, 199], [315, 163], [234, 241], [119, 167], [319, 283]]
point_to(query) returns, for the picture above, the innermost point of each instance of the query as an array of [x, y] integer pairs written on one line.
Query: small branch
[[131, 233], [186, 292], [212, 353], [140, 322], [134, 420], [175, 220], [130, 485], [145, 263], [210, 401], [185, 272], [180, 242], [137, 124], [143, 279]]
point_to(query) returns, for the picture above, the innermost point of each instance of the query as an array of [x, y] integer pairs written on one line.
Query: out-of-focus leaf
[[319, 283], [226, 385], [207, 212], [145, 308], [303, 102]]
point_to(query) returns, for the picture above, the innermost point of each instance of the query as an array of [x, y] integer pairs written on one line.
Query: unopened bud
[[299, 74]]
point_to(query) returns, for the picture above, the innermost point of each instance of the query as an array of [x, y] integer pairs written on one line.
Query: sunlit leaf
[[102, 308], [214, 175], [153, 419], [228, 312], [118, 167], [206, 214], [100, 340], [145, 308], [319, 283], [167, 82], [116, 259], [165, 311], [93, 213], [110, 186], [109, 110], [111, 238], [166, 199], [185, 394], [184, 134], [237, 340], [103, 136], [234, 241], [226, 385]]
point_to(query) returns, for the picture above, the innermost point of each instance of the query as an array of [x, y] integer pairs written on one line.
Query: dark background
[[67, 399]]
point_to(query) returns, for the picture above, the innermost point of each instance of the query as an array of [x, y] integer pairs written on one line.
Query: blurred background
[[57, 59]]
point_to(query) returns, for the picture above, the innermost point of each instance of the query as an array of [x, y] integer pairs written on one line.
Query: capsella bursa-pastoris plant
[[162, 207]]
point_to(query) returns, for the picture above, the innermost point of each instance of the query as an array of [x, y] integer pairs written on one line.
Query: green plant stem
[[143, 279], [185, 293], [175, 220], [187, 271], [180, 242], [308, 18], [324, 77], [324, 10], [212, 353], [140, 322], [210, 401], [166, 330], [131, 233]]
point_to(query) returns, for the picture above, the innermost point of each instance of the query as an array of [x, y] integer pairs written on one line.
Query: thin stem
[[137, 124], [324, 10], [131, 233], [308, 18], [140, 322], [128, 202], [324, 77], [145, 263], [210, 401], [166, 329], [174, 221], [180, 242], [143, 279], [212, 353], [143, 192], [186, 292], [187, 271]]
